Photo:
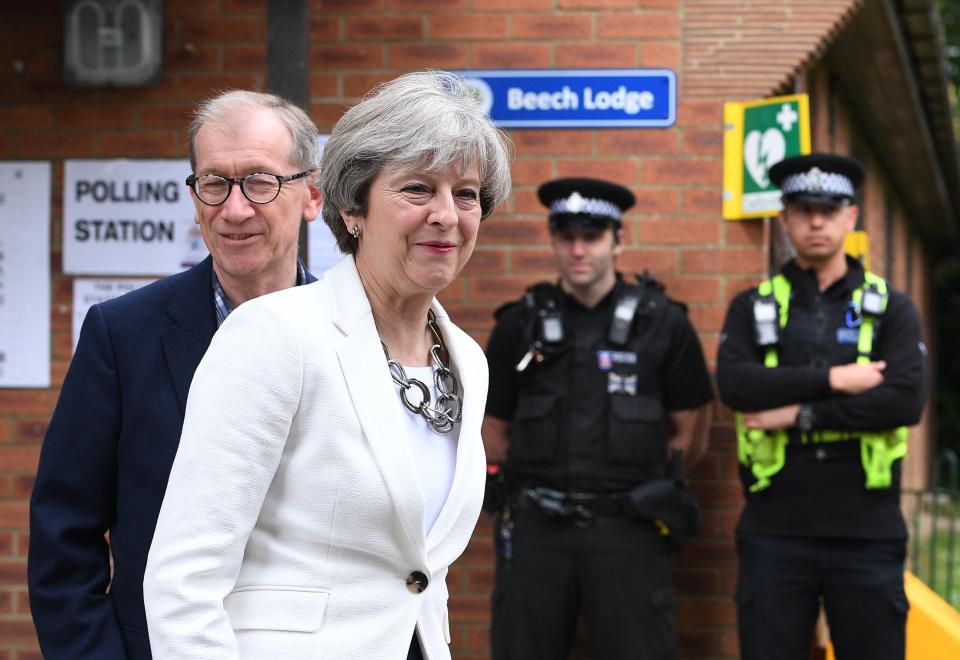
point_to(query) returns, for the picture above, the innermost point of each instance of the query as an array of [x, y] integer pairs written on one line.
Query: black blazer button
[[417, 582]]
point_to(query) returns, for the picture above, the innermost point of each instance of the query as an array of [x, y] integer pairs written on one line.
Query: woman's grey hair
[[426, 120], [225, 107]]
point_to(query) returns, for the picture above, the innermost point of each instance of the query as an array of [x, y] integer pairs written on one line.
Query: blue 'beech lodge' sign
[[577, 98]]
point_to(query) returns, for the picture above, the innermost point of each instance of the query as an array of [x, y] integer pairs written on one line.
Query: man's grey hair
[[226, 107], [426, 120]]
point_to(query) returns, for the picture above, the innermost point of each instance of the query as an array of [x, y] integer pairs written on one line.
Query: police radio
[[551, 324], [766, 329], [872, 302], [543, 328], [623, 319]]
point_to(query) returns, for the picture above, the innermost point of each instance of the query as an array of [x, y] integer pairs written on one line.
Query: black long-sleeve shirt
[[821, 489]]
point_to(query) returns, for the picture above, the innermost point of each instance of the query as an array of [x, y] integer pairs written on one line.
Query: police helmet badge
[[818, 178], [585, 204]]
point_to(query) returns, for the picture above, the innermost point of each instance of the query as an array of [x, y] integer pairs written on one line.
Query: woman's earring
[[355, 232]]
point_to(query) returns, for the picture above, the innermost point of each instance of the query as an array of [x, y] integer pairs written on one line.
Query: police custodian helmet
[[584, 204], [818, 178]]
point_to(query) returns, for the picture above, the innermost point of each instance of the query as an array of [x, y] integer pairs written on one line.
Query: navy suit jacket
[[105, 462]]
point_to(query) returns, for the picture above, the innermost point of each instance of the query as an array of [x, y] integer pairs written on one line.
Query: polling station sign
[[128, 217], [577, 98]]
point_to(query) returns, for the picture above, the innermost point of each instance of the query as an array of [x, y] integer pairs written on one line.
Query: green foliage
[[950, 15], [934, 555], [946, 564]]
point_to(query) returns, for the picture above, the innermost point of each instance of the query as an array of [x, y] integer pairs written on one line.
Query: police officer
[[827, 364], [593, 380]]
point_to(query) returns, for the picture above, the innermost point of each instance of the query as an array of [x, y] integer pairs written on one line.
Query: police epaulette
[[643, 299], [650, 285], [538, 294], [682, 305], [502, 309], [646, 279], [547, 289], [540, 291]]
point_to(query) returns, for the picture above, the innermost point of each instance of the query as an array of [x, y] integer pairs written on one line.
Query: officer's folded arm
[[772, 419], [883, 394], [744, 382], [856, 378], [899, 399], [883, 407]]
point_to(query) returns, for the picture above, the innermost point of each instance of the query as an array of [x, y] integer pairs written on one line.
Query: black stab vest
[[589, 416]]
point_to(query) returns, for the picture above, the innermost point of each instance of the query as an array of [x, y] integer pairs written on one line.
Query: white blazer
[[294, 513]]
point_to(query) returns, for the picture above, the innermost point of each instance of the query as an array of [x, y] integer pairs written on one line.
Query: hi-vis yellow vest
[[764, 452]]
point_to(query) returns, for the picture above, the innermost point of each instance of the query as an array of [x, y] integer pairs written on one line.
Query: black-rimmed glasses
[[259, 187]]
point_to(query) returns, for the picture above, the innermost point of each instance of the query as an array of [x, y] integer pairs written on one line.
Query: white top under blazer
[[435, 454], [294, 515]]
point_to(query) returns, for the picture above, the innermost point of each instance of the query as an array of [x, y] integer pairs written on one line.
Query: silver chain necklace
[[448, 408]]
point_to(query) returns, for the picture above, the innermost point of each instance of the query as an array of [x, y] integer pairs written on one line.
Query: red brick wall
[[721, 50], [208, 45]]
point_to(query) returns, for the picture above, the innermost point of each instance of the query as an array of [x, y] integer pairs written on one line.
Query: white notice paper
[[87, 293], [128, 217], [322, 250], [24, 274]]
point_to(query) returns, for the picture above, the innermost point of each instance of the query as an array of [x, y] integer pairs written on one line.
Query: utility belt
[[664, 503], [765, 452], [576, 507]]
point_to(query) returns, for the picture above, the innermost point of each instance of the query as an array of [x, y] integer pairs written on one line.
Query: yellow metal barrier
[[857, 245], [933, 627]]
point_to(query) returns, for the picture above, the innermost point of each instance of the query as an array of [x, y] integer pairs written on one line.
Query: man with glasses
[[114, 434], [827, 364]]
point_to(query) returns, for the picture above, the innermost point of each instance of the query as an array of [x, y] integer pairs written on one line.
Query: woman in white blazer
[[330, 467]]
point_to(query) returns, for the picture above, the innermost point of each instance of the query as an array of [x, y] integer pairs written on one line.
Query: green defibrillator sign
[[757, 135]]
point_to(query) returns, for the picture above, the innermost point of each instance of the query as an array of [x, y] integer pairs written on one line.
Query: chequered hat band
[[587, 206], [817, 181]]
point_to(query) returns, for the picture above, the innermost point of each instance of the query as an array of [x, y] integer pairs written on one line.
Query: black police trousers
[[781, 581], [617, 570], [415, 652]]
